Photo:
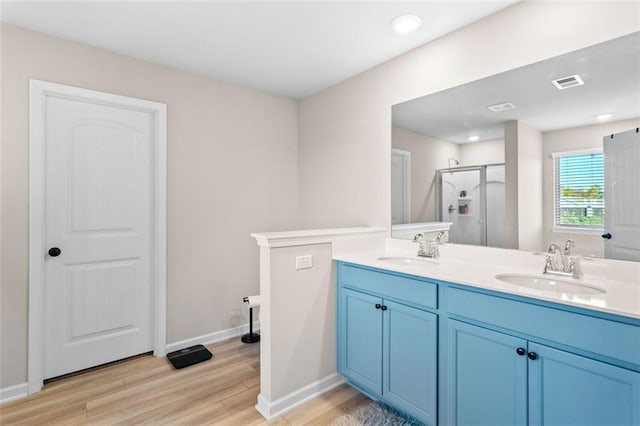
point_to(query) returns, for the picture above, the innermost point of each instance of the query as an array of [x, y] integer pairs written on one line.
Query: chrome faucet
[[428, 248], [565, 264]]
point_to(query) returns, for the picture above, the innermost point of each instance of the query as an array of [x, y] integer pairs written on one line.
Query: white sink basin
[[549, 284], [398, 260]]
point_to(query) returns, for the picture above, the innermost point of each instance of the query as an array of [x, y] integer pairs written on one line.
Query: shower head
[[454, 160]]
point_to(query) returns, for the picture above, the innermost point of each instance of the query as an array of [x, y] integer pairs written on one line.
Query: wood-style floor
[[222, 391]]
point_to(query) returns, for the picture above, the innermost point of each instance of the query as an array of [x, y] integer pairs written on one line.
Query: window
[[579, 189]]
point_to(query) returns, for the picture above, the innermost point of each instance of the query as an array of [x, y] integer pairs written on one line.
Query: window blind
[[579, 190]]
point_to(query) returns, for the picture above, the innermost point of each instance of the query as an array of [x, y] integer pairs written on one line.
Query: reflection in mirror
[[482, 157], [472, 200]]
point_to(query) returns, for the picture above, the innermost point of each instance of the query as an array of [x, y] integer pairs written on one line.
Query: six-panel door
[[361, 339], [488, 377], [410, 354], [567, 389]]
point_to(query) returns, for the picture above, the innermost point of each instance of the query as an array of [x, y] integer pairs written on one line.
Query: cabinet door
[[410, 360], [487, 377], [567, 389], [360, 339]]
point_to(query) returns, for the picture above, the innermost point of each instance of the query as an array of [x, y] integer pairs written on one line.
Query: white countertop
[[477, 266]]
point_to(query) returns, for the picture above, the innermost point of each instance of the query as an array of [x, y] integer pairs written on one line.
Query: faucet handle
[[553, 248], [574, 266], [433, 250], [418, 237], [548, 265], [568, 245]]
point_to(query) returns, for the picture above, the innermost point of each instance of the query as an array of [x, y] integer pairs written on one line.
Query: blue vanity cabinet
[[409, 360], [496, 379], [567, 389], [451, 354], [488, 376], [360, 345], [500, 374], [385, 347]]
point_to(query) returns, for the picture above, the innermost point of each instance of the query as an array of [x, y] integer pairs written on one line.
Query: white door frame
[[38, 92]]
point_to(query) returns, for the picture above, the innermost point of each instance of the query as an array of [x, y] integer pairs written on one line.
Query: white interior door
[[400, 186], [99, 214], [622, 196]]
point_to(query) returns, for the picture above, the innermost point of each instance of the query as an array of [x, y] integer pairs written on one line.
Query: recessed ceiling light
[[505, 106], [473, 138], [603, 117], [567, 82], [406, 23]]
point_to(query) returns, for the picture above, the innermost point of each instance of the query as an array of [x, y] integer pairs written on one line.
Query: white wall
[[427, 156], [511, 185], [569, 140], [523, 187], [529, 188], [345, 131], [301, 314], [480, 153], [232, 170]]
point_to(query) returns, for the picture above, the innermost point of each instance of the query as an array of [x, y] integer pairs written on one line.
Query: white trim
[[315, 236], [14, 392], [577, 230], [270, 410], [214, 337], [38, 91], [585, 151]]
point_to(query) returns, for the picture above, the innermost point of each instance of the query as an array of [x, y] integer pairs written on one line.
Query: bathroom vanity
[[450, 344]]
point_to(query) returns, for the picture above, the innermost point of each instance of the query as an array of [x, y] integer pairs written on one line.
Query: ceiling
[[293, 48], [610, 70]]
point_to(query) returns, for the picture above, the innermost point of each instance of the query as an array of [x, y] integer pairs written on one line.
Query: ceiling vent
[[505, 106], [567, 82]]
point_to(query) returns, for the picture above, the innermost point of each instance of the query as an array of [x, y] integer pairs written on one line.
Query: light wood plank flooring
[[222, 391]]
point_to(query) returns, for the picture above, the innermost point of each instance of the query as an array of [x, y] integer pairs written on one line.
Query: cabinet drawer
[[600, 336], [406, 289]]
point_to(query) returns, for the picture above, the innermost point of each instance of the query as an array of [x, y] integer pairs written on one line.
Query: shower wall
[[461, 205]]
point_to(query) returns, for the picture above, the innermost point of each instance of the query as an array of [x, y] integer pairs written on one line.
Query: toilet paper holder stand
[[250, 337]]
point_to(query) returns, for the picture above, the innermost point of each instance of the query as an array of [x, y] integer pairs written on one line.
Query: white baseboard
[[270, 410], [214, 337], [13, 392]]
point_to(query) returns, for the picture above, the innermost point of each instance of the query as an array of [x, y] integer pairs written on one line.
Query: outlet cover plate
[[304, 262]]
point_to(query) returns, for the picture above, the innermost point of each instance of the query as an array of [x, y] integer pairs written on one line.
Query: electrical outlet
[[304, 262]]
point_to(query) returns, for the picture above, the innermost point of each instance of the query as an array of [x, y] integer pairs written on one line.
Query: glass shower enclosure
[[473, 200]]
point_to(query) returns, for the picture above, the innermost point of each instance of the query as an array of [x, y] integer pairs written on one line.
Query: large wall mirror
[[522, 159]]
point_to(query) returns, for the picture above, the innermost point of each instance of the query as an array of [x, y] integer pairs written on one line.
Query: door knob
[[54, 252], [606, 236], [520, 351], [532, 356], [378, 306]]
